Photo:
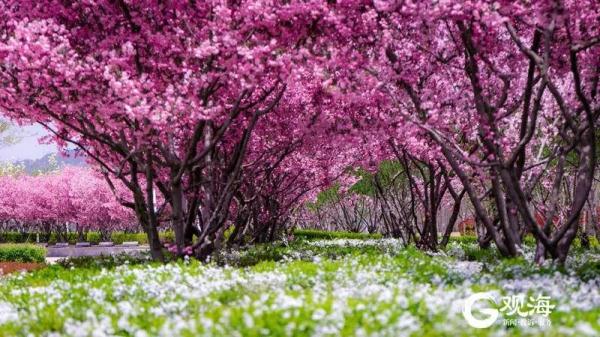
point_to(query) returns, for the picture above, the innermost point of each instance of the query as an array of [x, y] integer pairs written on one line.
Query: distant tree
[[7, 136]]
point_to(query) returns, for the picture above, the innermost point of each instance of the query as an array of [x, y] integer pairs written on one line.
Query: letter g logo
[[491, 314]]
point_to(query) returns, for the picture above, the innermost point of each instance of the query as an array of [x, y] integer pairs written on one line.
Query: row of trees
[[75, 198], [235, 112], [405, 201], [166, 98], [505, 94], [404, 198]]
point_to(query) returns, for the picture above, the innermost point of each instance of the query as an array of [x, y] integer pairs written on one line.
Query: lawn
[[340, 287]]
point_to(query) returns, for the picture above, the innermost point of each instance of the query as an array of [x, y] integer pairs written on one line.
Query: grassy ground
[[339, 287]]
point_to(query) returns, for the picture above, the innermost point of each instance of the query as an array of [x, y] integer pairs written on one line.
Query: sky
[[27, 146]]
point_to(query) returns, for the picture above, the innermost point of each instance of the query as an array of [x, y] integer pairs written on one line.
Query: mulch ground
[[12, 267]]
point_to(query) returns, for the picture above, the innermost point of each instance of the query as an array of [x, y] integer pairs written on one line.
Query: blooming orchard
[[235, 112], [76, 196]]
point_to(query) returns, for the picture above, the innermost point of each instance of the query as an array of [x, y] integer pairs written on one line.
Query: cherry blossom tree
[[214, 106], [161, 96], [507, 92]]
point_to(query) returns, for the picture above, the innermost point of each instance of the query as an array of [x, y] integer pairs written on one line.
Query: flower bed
[[354, 294], [12, 267]]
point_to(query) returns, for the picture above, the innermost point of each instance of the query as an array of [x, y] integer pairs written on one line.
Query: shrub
[[529, 240], [71, 237], [475, 253], [32, 237], [313, 234], [120, 237], [167, 236], [18, 237], [464, 239], [590, 270], [22, 253], [93, 237]]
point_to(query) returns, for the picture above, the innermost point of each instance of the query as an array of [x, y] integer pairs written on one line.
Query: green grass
[[313, 234]]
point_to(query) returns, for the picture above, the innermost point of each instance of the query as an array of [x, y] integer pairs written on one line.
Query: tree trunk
[[452, 220], [154, 242], [178, 217]]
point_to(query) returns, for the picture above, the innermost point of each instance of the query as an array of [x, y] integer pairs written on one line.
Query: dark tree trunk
[[178, 216], [453, 218]]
